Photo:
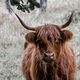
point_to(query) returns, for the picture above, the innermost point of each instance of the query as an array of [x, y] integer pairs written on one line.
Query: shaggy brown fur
[[54, 40]]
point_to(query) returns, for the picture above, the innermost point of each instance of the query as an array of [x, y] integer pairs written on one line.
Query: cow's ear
[[31, 37], [66, 35]]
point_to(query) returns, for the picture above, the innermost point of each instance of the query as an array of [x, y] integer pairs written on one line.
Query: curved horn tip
[[69, 20], [24, 25]]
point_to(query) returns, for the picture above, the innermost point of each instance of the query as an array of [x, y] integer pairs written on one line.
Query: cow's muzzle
[[48, 57]]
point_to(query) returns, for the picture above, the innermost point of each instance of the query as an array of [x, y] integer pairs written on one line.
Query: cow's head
[[49, 38]]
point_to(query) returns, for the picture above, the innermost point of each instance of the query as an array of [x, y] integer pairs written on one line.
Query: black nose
[[48, 57]]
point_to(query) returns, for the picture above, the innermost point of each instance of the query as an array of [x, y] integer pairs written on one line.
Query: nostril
[[52, 54], [45, 55]]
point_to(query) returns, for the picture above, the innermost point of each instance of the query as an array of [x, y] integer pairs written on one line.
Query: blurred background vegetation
[[12, 33]]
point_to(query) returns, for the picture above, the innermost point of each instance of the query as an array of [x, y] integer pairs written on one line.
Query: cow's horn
[[23, 24], [69, 21]]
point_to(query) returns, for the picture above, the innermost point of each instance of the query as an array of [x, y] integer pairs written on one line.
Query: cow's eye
[[49, 38]]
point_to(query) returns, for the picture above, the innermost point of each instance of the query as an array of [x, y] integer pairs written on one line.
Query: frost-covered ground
[[12, 33]]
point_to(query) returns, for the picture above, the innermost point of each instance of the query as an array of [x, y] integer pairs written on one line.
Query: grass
[[12, 34]]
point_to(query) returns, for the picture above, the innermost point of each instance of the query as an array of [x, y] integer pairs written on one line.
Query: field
[[12, 33]]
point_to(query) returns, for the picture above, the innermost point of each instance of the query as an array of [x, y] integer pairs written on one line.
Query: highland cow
[[47, 52]]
